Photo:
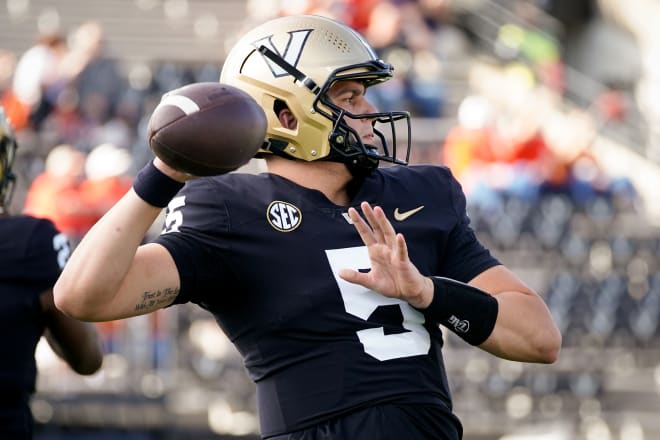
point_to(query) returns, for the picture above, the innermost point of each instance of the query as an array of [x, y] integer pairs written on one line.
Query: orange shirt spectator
[[55, 193], [107, 179]]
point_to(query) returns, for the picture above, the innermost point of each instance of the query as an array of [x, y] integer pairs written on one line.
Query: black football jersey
[[262, 254], [32, 254]]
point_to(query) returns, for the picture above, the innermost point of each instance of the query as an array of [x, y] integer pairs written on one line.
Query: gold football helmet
[[7, 153], [291, 62]]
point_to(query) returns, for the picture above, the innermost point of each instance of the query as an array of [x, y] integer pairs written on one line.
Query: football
[[206, 128]]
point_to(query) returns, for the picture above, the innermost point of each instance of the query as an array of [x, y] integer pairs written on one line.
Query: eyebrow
[[344, 89]]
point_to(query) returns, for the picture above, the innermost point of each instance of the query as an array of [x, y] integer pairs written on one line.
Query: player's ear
[[287, 119], [285, 116]]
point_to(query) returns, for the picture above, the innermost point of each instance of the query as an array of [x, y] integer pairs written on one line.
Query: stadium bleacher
[[136, 31]]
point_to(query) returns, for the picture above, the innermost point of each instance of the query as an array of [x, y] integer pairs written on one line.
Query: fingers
[[370, 215], [376, 228], [401, 248], [352, 276], [366, 234], [384, 225]]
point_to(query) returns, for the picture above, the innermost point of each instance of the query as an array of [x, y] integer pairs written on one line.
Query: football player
[[32, 254], [330, 274]]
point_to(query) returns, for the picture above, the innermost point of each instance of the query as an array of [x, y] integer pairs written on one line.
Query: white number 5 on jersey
[[174, 216], [362, 302]]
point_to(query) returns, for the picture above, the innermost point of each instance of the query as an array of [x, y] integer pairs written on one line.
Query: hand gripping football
[[206, 128]]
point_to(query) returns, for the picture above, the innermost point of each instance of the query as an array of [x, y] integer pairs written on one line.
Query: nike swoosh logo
[[401, 216]]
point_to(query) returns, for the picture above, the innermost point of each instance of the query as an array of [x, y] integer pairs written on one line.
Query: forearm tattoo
[[154, 300]]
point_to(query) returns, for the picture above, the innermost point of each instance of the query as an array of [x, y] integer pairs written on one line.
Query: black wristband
[[155, 187], [467, 311]]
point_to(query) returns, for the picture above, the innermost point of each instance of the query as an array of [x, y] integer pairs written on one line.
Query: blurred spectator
[[8, 61], [120, 128], [65, 124], [384, 25], [55, 193], [406, 38], [496, 153], [94, 70], [98, 79], [472, 133], [576, 171], [37, 73], [358, 13], [412, 35], [89, 94], [490, 153], [107, 178]]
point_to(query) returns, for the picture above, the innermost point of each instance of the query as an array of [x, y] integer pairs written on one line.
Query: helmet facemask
[[345, 142]]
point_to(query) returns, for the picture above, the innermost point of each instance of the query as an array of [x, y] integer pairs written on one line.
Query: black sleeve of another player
[[466, 257], [47, 252]]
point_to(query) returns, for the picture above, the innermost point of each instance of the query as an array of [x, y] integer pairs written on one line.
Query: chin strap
[[362, 166], [356, 159], [359, 165]]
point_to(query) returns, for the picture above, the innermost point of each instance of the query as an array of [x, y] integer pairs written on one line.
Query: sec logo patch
[[283, 216]]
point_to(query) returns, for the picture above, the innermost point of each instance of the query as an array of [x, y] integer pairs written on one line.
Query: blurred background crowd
[[547, 111]]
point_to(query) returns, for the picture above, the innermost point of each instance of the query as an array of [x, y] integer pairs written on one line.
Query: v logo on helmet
[[292, 52]]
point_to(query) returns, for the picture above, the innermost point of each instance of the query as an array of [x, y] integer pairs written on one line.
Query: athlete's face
[[349, 95]]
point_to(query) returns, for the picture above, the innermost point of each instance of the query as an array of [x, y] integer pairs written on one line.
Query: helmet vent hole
[[337, 42]]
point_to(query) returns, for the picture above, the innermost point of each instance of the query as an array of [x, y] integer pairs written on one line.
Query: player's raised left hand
[[392, 273]]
